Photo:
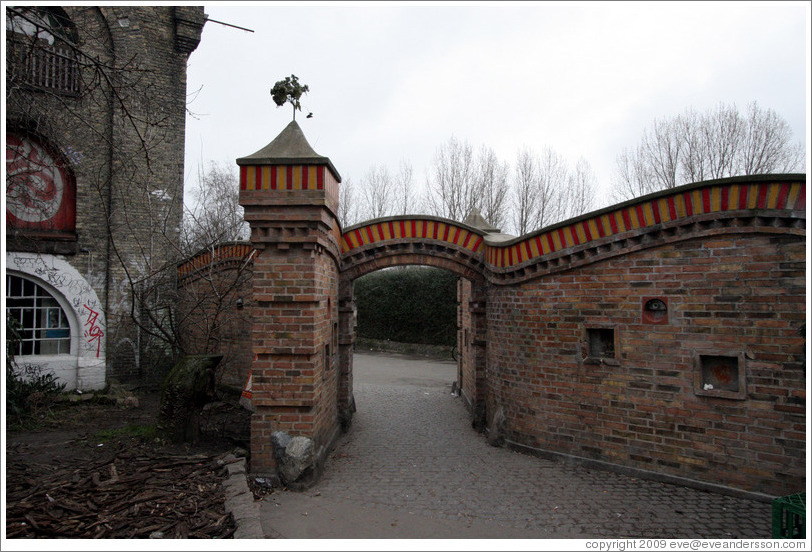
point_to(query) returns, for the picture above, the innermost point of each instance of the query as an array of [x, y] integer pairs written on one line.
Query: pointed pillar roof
[[476, 220], [289, 148]]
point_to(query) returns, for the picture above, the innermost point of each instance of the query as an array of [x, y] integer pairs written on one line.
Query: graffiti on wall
[[94, 332]]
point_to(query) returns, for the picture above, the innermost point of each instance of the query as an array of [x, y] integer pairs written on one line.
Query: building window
[[41, 49], [43, 326]]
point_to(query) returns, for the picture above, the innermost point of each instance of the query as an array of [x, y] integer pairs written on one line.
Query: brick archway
[[427, 241], [408, 240]]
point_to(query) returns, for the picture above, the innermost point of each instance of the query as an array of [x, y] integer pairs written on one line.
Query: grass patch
[[143, 432]]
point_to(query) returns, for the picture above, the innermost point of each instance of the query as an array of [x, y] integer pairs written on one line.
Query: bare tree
[[663, 148], [546, 190], [525, 191], [451, 189], [578, 197], [695, 164], [347, 203], [693, 147], [767, 145], [632, 178], [377, 193], [217, 216], [406, 200], [553, 175], [491, 186]]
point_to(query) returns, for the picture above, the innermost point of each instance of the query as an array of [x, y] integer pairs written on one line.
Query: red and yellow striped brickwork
[[416, 228], [288, 177], [720, 198], [225, 252], [633, 216], [693, 202]]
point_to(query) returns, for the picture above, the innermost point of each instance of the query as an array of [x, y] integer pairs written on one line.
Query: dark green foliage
[[289, 90], [29, 391], [408, 305]]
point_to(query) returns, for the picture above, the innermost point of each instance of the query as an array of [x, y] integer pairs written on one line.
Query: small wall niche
[[600, 346], [720, 375], [655, 310], [327, 362]]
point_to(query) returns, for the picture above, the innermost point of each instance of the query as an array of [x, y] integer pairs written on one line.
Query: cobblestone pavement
[[412, 451]]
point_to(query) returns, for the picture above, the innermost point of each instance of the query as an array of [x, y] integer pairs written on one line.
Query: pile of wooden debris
[[133, 494]]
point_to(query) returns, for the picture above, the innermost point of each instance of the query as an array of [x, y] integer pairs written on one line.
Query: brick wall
[[465, 344], [638, 398], [472, 344], [146, 192], [216, 309], [295, 333], [668, 345]]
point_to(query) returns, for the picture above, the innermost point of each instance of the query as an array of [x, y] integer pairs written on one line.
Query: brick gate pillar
[[290, 196]]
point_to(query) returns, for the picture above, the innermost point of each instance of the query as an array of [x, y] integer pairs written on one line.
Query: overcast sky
[[394, 81]]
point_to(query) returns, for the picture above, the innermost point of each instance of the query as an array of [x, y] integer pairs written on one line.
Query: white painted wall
[[85, 367]]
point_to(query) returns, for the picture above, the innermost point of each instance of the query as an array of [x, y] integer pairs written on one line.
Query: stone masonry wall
[[583, 368]]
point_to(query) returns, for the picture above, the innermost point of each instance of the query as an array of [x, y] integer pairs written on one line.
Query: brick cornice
[[771, 203], [767, 204]]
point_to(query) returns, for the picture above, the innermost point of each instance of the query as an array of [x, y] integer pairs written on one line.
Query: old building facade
[[94, 188]]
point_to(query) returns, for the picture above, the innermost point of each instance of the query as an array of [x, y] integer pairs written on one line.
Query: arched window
[[41, 48], [40, 190], [43, 328]]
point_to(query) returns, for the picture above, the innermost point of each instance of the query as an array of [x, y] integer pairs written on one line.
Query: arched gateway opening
[[631, 336], [427, 241], [304, 269]]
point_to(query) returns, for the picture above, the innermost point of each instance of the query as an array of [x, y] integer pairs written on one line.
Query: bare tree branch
[[702, 146]]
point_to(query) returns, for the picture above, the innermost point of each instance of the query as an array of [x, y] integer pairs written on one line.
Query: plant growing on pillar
[[289, 90]]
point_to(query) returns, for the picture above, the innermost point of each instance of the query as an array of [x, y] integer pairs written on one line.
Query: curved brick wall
[[737, 296], [412, 240], [711, 386], [672, 214], [379, 231], [224, 253], [215, 292], [664, 209]]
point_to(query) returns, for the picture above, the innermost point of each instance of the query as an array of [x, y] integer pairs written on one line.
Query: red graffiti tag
[[94, 333]]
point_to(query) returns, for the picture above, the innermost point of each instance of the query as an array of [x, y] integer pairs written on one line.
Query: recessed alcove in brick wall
[[720, 374]]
